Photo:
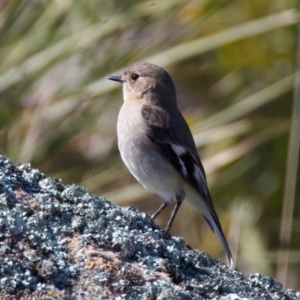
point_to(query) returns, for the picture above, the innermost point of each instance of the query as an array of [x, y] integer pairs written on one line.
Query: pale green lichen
[[46, 230]]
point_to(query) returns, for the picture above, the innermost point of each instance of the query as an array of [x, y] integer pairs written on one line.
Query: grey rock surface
[[60, 242]]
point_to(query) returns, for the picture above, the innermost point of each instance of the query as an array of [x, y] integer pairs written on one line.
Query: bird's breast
[[141, 157], [132, 139]]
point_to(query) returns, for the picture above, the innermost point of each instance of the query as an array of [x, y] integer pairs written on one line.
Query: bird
[[157, 146]]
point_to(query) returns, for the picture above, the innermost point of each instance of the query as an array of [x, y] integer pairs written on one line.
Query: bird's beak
[[116, 78]]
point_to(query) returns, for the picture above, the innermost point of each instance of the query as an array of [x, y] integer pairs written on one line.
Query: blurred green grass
[[233, 64]]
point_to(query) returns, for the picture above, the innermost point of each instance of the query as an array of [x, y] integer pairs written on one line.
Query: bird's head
[[147, 82]]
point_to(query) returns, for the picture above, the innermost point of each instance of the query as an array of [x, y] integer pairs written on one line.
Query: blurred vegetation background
[[233, 64]]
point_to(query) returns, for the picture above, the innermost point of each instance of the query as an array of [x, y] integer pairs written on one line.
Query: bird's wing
[[178, 147]]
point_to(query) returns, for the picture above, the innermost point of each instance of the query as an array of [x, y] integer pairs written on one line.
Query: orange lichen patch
[[104, 259]]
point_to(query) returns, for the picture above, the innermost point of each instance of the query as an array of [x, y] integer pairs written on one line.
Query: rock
[[60, 242]]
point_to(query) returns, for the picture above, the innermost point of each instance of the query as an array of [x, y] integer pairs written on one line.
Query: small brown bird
[[157, 146]]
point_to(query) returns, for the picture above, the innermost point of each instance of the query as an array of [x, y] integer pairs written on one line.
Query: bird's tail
[[216, 227], [212, 219]]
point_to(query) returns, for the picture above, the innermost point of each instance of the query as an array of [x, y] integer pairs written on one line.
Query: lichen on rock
[[60, 242]]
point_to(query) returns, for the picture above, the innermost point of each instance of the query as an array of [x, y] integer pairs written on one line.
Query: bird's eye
[[135, 76]]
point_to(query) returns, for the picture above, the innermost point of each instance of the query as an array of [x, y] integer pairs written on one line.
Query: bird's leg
[[159, 210], [174, 212], [179, 197]]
